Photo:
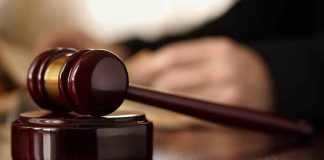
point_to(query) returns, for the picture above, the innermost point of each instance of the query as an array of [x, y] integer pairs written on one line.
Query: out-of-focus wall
[[24, 21], [148, 19]]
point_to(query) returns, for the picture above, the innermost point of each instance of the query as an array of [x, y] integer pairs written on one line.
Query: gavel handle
[[218, 113]]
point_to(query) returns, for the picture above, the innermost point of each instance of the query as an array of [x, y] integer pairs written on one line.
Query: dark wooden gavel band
[[218, 113]]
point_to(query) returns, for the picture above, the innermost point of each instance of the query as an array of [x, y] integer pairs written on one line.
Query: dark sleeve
[[297, 69], [288, 36], [246, 21]]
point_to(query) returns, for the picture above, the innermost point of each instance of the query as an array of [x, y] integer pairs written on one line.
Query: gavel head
[[92, 82]]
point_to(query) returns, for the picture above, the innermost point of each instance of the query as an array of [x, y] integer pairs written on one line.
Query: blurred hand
[[215, 69], [74, 38]]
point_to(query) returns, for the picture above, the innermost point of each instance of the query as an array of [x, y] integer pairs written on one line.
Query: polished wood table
[[211, 143], [177, 138], [215, 142]]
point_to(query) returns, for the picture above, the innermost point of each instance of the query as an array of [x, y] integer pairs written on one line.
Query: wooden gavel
[[95, 82]]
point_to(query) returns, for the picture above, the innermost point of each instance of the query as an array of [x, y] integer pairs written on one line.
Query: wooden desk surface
[[199, 140], [214, 142]]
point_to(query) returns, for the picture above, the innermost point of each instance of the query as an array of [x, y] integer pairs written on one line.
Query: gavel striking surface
[[67, 136]]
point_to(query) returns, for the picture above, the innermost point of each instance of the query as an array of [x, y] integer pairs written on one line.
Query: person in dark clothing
[[288, 35], [276, 48]]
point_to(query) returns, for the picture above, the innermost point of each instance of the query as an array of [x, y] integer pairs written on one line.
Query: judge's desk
[[179, 137]]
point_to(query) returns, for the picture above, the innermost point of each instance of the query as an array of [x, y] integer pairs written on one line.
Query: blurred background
[[24, 23]]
